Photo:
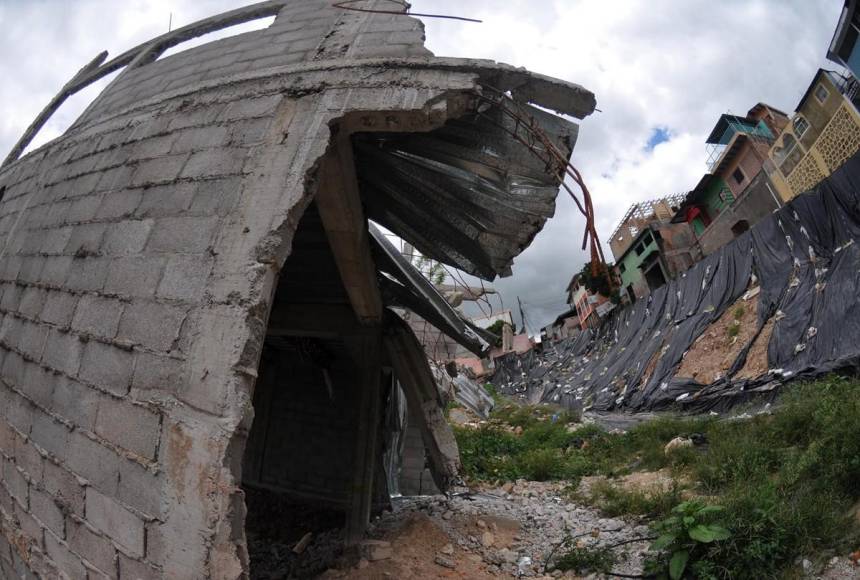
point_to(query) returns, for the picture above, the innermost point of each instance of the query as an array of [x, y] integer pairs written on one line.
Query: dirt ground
[[419, 540], [756, 363], [713, 353]]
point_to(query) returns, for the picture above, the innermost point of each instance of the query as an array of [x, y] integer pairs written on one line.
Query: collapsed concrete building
[[193, 303]]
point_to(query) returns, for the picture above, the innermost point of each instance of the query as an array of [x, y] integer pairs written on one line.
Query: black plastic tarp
[[806, 259]]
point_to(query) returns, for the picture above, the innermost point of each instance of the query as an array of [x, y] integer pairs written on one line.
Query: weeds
[[616, 501], [787, 480], [587, 560]]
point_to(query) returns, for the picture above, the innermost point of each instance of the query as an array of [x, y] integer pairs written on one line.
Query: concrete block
[[66, 561], [75, 402], [55, 240], [197, 138], [93, 462], [94, 547], [15, 482], [20, 413], [29, 460], [84, 208], [112, 180], [56, 270], [59, 308], [97, 316], [158, 170], [88, 274], [185, 278], [49, 434], [47, 512], [107, 366], [134, 276], [137, 570], [63, 487], [250, 108], [217, 196], [215, 162], [28, 524], [127, 237], [153, 147], [85, 240], [151, 324], [39, 384], [63, 352], [125, 528], [189, 235], [11, 297], [31, 269], [157, 373], [129, 426], [141, 489], [166, 200], [32, 301], [120, 204], [32, 339]]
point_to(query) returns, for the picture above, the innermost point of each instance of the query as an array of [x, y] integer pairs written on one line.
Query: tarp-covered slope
[[806, 259]]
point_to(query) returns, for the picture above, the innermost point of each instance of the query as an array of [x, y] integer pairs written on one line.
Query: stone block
[[134, 276], [107, 515], [152, 325], [97, 316], [127, 237], [129, 426], [107, 366]]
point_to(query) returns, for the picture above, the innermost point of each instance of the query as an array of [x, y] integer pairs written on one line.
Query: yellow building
[[823, 133]]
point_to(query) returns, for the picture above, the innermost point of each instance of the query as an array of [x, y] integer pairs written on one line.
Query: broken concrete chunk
[[445, 561], [487, 539], [374, 550], [303, 543]]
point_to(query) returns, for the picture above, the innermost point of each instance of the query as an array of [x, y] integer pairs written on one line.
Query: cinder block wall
[[138, 255]]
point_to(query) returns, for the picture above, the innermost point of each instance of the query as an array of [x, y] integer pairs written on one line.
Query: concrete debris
[[374, 550], [676, 444]]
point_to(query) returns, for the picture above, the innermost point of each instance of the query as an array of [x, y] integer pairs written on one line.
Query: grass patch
[[587, 560], [787, 481], [616, 501]]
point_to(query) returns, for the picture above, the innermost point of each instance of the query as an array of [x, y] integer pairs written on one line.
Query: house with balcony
[[844, 49], [649, 249], [823, 133], [736, 193], [588, 306]]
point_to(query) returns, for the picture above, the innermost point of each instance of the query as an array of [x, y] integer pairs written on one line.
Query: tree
[[431, 269], [597, 281]]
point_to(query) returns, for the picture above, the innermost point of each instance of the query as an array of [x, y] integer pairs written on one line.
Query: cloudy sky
[[662, 71]]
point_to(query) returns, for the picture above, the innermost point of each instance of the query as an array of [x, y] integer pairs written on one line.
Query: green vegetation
[[786, 481], [586, 560], [684, 539], [601, 279], [617, 501]]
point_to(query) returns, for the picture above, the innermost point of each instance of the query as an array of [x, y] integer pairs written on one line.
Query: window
[[738, 176], [800, 126], [821, 93]]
